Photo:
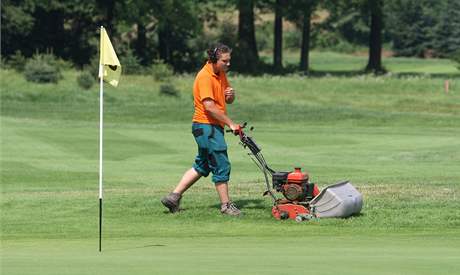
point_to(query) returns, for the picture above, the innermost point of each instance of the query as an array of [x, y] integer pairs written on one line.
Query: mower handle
[[237, 131]]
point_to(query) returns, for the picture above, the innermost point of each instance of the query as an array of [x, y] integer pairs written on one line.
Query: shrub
[[3, 62], [85, 80], [292, 39], [161, 71], [131, 64], [168, 90], [332, 41], [17, 61], [42, 68], [265, 36], [228, 34], [456, 57], [63, 64], [93, 67]]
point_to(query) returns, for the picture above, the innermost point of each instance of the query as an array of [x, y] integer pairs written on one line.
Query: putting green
[[333, 254]]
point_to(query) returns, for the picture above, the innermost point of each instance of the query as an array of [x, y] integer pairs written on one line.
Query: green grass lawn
[[395, 138]]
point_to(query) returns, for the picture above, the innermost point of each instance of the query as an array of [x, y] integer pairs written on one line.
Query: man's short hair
[[216, 51]]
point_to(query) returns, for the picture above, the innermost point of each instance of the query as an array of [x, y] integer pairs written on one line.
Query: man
[[211, 93]]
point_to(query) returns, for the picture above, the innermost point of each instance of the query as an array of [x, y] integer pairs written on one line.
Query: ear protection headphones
[[213, 56]]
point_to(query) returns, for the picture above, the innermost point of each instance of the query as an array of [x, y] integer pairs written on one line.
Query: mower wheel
[[303, 217], [284, 215]]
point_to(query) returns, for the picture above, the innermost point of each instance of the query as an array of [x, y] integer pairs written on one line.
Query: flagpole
[[101, 108], [110, 68]]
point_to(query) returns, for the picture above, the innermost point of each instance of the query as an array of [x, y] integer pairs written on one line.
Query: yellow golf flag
[[110, 70]]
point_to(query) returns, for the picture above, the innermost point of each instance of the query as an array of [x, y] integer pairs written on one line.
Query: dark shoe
[[230, 209], [172, 202]]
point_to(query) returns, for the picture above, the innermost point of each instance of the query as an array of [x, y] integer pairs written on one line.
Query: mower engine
[[294, 185]]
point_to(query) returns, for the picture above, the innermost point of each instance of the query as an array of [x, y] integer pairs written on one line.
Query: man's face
[[223, 63]]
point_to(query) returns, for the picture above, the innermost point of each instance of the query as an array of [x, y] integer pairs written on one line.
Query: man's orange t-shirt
[[209, 85]]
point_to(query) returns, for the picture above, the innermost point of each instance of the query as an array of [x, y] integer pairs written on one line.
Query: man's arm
[[211, 108]]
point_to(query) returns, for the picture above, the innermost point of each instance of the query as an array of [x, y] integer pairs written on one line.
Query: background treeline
[[176, 32]]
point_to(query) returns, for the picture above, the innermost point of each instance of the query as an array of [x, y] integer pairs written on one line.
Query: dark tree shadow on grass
[[320, 74], [266, 68], [246, 204], [356, 215], [135, 247]]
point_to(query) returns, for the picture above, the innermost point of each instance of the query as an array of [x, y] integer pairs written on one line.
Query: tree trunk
[[278, 49], [163, 44], [375, 38], [305, 48], [141, 43], [249, 58], [110, 16], [108, 7]]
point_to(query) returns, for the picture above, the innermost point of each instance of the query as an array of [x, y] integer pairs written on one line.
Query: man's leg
[[172, 200], [227, 207], [222, 190], [188, 179]]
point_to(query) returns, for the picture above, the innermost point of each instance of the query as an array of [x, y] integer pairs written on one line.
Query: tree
[[16, 25], [247, 57], [300, 12], [278, 38], [107, 9], [305, 48], [375, 38], [409, 24], [446, 33], [138, 14], [64, 28], [69, 29], [178, 26], [347, 20]]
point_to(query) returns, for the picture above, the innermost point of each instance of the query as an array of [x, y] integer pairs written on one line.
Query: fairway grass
[[395, 138], [409, 223]]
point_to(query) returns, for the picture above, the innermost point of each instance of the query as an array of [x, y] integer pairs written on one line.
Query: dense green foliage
[[424, 28], [65, 27], [178, 32], [446, 41]]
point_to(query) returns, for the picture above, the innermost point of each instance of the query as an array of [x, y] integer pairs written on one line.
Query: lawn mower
[[302, 199]]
